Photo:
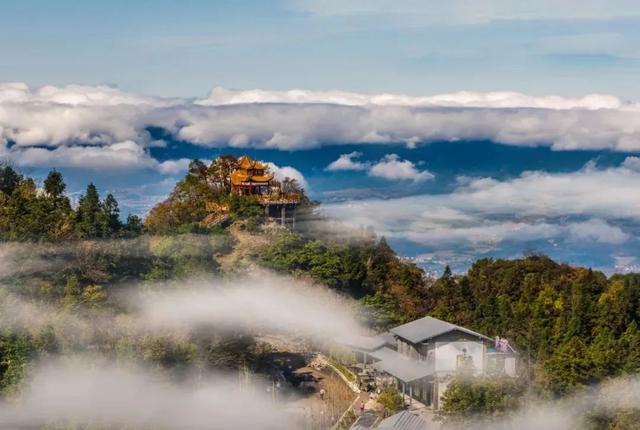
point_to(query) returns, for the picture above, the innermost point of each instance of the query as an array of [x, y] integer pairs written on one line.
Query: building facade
[[422, 357]]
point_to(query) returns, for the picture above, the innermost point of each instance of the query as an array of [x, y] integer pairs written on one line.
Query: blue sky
[[184, 48], [457, 129]]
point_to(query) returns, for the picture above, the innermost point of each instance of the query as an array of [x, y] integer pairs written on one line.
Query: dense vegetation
[[391, 291], [466, 399], [572, 326], [31, 213]]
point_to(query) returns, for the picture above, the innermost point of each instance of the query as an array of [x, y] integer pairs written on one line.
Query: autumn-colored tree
[[219, 173]]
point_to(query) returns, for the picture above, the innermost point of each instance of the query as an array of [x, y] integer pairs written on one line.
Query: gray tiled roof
[[403, 421], [365, 421], [429, 327], [402, 367], [361, 343]]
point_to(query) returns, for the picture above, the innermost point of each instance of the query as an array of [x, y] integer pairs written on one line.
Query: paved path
[[368, 402]]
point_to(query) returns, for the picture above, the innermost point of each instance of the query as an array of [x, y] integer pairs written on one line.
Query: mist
[[260, 302], [79, 391], [571, 413], [256, 303]]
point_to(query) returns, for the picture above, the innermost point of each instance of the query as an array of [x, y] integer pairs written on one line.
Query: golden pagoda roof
[[238, 177], [247, 163]]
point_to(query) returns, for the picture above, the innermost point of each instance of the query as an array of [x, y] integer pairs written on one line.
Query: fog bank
[[83, 392]]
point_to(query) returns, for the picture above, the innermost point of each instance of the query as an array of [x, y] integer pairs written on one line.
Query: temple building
[[280, 199], [252, 178]]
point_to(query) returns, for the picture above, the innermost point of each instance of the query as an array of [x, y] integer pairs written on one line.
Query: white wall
[[510, 366], [446, 354]]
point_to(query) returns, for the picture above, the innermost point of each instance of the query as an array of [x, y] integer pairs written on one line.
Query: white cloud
[[392, 167], [174, 167], [632, 163], [280, 173], [389, 167], [498, 99], [348, 162], [588, 205], [120, 155], [484, 234], [125, 155], [87, 117], [597, 230]]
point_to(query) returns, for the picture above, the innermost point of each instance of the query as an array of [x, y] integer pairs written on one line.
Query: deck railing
[[281, 198]]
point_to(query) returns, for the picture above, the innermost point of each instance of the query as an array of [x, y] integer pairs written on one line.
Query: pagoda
[[252, 178]]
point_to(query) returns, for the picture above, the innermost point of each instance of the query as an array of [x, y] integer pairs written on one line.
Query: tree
[[9, 179], [15, 351], [568, 368], [465, 398], [291, 185], [378, 265], [89, 215], [54, 186], [605, 354], [186, 205], [219, 172], [197, 169], [111, 216], [133, 225], [391, 400], [630, 345]]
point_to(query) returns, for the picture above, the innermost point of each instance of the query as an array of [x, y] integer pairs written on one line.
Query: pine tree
[[111, 216], [89, 213], [54, 186], [9, 179]]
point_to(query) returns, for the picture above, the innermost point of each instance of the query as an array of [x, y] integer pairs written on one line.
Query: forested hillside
[[572, 326]]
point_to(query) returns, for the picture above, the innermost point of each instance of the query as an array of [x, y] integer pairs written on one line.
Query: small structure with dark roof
[[403, 421], [424, 355]]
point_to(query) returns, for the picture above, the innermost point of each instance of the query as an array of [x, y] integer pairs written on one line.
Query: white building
[[423, 356]]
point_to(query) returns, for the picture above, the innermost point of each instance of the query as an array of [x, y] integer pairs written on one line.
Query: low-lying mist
[[89, 392], [257, 303], [570, 413], [261, 302]]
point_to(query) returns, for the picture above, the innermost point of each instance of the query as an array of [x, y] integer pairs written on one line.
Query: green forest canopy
[[571, 325]]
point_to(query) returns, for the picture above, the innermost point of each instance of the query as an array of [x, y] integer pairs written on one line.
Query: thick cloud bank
[[64, 126]]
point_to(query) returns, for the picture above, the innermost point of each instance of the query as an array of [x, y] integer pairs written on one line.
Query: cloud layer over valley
[[594, 206], [346, 145], [58, 125]]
